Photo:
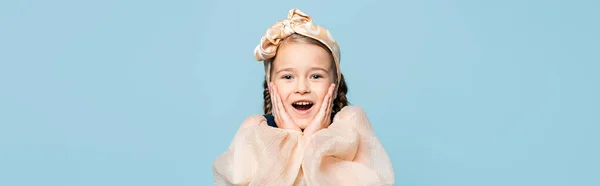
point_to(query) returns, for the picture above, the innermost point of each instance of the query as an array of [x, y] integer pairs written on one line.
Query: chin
[[302, 123]]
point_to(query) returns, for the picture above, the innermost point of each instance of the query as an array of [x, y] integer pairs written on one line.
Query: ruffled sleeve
[[260, 155], [347, 153]]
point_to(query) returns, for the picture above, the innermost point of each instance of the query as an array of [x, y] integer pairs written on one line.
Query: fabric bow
[[297, 22], [279, 31]]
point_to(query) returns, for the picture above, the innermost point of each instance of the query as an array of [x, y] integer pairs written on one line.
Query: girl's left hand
[[323, 117]]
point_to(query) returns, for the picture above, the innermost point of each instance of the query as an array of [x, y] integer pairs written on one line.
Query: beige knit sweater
[[346, 153]]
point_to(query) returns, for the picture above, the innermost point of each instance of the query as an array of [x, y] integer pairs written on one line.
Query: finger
[[330, 103], [329, 96], [323, 109], [328, 106], [328, 116], [280, 111], [331, 88], [274, 102], [272, 98], [331, 92]]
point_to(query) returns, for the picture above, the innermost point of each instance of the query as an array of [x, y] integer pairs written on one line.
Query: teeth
[[302, 103]]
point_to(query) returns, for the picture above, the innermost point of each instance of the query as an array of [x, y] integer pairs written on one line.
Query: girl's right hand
[[282, 119]]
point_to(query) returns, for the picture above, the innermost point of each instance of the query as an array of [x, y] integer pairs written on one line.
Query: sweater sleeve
[[347, 153], [260, 155]]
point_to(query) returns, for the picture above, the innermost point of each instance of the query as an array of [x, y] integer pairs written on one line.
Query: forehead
[[300, 55]]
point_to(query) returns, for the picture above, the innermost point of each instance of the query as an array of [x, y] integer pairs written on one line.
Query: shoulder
[[353, 117], [351, 112], [253, 120]]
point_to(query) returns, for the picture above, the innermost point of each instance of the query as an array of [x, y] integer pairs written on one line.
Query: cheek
[[284, 89], [321, 90]]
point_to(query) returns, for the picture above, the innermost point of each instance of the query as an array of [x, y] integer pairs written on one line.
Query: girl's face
[[302, 73]]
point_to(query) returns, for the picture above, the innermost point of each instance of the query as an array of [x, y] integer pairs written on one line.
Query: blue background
[[461, 93]]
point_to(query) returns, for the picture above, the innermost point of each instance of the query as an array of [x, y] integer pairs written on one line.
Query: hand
[[282, 119], [323, 117]]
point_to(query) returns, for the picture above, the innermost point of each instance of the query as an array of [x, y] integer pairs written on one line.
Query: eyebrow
[[318, 68], [291, 69], [281, 70]]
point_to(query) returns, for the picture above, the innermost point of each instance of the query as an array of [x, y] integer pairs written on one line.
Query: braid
[[267, 108], [341, 100]]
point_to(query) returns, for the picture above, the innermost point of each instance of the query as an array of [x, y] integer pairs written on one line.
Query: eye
[[286, 77], [316, 76]]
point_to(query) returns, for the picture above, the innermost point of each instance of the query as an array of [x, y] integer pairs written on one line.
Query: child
[[308, 134]]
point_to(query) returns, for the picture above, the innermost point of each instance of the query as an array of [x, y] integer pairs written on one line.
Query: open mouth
[[302, 105]]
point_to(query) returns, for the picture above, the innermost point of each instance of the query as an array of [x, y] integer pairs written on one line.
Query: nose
[[302, 87]]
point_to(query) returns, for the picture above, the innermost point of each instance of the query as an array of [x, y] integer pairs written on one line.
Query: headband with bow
[[297, 22]]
